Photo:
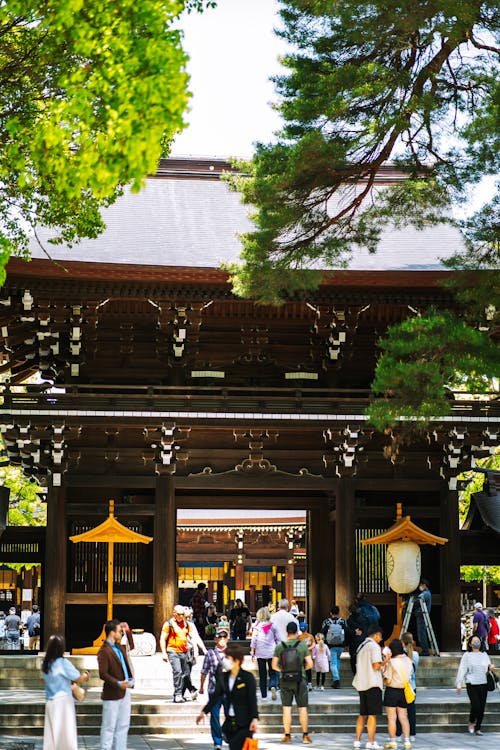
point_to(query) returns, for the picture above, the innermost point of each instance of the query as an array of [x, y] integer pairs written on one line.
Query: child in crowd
[[309, 639], [321, 658], [223, 622]]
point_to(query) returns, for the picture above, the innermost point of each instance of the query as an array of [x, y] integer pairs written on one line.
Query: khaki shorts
[[297, 690]]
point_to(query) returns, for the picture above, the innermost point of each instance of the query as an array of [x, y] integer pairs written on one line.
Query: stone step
[[152, 714], [151, 673]]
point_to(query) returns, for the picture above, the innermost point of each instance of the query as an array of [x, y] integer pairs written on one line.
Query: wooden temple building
[[163, 391]]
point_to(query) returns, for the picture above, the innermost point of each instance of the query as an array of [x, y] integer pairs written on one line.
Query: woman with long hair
[[411, 653], [59, 732]]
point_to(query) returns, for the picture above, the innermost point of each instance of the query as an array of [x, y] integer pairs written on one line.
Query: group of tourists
[[13, 627], [286, 654], [483, 624]]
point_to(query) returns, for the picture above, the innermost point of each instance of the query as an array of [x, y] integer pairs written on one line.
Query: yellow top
[[111, 530]]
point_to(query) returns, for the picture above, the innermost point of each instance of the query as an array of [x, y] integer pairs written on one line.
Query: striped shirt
[[473, 667]]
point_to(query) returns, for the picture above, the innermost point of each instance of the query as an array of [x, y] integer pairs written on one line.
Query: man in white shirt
[[282, 617], [368, 682]]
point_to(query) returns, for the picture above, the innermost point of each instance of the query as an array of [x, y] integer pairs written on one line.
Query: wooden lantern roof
[[111, 530], [404, 530]]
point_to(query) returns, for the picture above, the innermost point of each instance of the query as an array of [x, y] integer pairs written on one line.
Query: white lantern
[[403, 566]]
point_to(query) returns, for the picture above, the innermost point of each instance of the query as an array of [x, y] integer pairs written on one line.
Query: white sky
[[233, 52], [231, 513]]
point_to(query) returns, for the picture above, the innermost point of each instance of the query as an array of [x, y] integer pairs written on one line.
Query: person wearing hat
[[481, 625], [174, 644], [212, 668]]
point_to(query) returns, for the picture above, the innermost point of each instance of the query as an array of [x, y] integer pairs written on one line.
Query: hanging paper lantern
[[403, 566]]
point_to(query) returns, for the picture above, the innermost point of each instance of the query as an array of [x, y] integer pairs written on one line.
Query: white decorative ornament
[[403, 566]]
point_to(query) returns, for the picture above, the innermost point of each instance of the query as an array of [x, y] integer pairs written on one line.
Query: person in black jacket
[[357, 628], [239, 690]]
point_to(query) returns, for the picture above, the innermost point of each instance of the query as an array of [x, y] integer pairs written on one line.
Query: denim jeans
[[13, 639], [335, 654], [265, 666], [180, 672], [215, 727]]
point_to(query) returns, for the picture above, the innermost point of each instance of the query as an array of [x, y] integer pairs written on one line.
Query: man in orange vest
[[174, 644]]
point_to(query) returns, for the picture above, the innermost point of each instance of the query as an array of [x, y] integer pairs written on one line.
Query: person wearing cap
[[174, 644], [12, 630], [212, 669], [480, 625], [426, 597], [238, 689]]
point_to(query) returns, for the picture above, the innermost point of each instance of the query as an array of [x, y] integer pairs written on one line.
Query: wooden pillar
[[164, 553], [239, 577], [450, 572], [320, 559], [345, 545], [54, 573], [289, 581]]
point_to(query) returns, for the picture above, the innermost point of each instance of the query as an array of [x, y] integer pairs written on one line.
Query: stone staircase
[[22, 701]]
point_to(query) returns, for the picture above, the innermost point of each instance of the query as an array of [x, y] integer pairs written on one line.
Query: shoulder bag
[[77, 691], [491, 680], [408, 690]]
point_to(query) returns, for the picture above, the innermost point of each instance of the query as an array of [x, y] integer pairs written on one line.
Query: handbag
[[77, 691], [491, 680], [408, 690], [250, 744]]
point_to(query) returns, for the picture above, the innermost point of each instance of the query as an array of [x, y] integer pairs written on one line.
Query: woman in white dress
[[59, 732]]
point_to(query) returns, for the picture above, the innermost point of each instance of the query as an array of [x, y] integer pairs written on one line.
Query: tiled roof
[[186, 216]]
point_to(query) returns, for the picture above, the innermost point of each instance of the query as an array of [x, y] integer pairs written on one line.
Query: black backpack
[[290, 663]]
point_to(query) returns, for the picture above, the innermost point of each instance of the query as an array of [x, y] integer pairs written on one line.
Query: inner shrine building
[[134, 374]]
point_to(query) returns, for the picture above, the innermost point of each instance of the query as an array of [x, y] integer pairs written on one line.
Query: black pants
[[234, 735], [320, 678], [412, 718], [265, 666], [309, 676], [477, 696]]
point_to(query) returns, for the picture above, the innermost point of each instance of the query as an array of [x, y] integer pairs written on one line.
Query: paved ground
[[266, 742], [326, 741]]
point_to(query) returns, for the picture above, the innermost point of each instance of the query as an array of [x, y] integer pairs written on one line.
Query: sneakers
[[357, 744], [179, 699], [306, 740], [273, 693], [407, 745], [391, 745], [194, 695], [309, 686], [373, 746], [336, 685], [322, 687], [264, 699], [286, 739]]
